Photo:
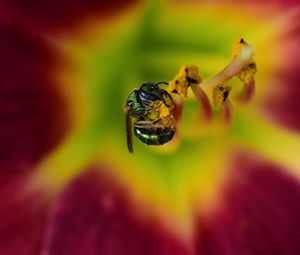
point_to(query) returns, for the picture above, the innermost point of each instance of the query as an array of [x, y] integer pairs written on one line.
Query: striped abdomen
[[154, 135]]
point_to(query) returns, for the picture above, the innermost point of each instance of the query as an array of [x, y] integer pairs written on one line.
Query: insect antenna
[[162, 82]]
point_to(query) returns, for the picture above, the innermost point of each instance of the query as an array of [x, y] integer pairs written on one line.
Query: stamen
[[226, 112], [203, 101], [241, 66], [220, 94], [178, 109], [242, 56], [220, 99], [187, 75], [247, 77]]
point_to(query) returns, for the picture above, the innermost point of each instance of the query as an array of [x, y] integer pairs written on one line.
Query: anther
[[220, 94], [187, 75], [247, 75], [242, 56]]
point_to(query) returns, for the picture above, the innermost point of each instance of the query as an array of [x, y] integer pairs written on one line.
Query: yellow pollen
[[163, 113], [187, 75], [237, 46], [220, 94], [247, 73]]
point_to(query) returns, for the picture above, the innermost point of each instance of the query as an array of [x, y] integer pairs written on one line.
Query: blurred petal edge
[[94, 215], [23, 212], [259, 212], [56, 15], [33, 113], [279, 101]]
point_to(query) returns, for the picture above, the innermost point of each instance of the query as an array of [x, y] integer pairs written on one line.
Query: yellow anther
[[187, 75], [247, 73], [220, 94], [242, 50], [237, 46]]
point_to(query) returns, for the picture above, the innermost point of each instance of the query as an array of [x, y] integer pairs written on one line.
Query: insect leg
[[166, 94]]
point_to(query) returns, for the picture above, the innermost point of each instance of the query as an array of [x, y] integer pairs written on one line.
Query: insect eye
[[148, 87]]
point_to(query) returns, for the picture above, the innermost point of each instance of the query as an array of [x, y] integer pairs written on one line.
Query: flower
[[68, 184]]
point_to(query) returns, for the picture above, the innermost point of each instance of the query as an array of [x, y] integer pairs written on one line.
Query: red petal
[[264, 8], [280, 101], [282, 106], [58, 14], [95, 216], [259, 214], [23, 213], [32, 113]]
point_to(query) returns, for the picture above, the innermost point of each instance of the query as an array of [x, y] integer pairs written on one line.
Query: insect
[[152, 110]]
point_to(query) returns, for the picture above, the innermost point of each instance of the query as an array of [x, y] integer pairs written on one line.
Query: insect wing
[[129, 131]]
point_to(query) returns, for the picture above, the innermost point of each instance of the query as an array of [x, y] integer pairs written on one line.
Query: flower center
[[215, 90]]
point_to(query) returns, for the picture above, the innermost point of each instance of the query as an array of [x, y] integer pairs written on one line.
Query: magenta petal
[[33, 115], [283, 106], [23, 214], [259, 214], [59, 14], [280, 102], [257, 7], [94, 216]]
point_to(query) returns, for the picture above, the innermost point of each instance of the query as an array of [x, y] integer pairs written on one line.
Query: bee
[[150, 113]]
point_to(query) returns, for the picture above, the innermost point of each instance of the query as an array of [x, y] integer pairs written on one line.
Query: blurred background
[[67, 68]]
